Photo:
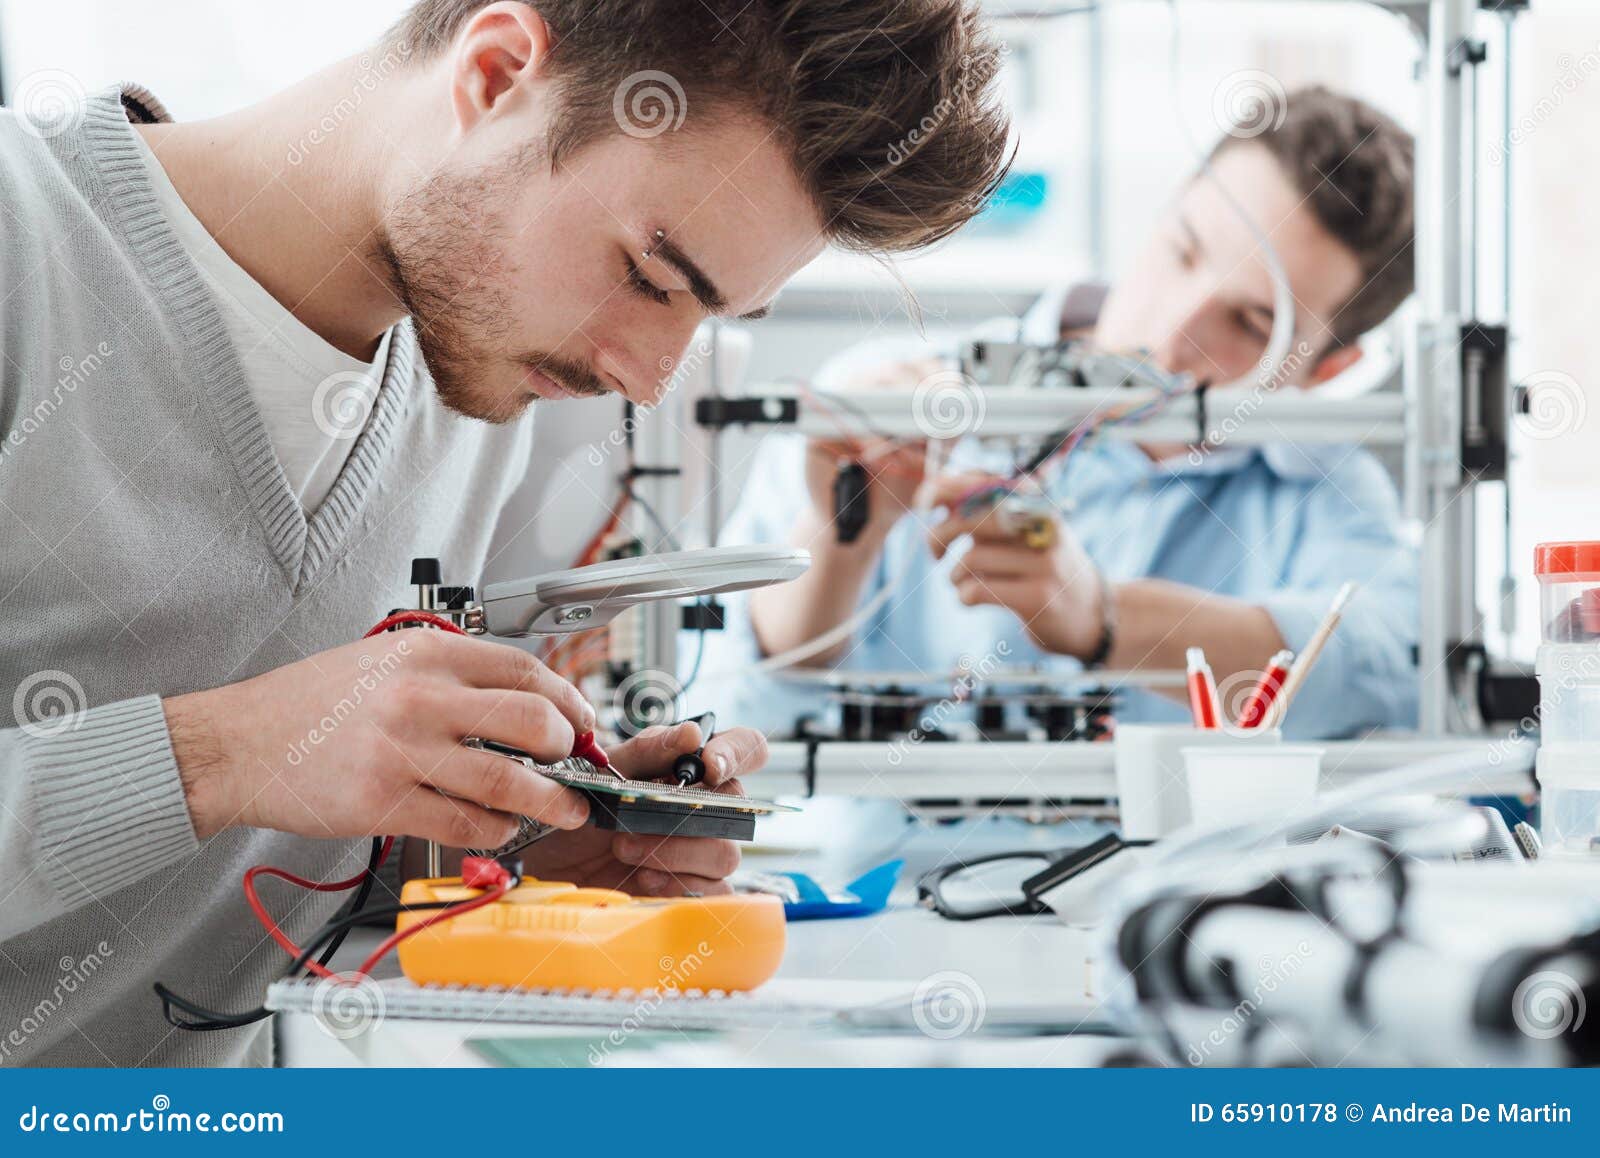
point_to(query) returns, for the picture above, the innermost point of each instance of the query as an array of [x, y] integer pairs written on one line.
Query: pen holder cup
[[1152, 788], [1229, 786]]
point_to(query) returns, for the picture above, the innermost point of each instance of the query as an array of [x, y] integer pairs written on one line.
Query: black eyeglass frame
[[1059, 865], [930, 886]]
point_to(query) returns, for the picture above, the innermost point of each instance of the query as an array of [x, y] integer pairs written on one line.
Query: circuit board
[[643, 806]]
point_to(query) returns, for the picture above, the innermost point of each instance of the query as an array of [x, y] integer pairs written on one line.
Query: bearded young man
[[193, 530]]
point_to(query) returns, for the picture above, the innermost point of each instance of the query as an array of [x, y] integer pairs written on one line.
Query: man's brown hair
[[889, 108], [1355, 168]]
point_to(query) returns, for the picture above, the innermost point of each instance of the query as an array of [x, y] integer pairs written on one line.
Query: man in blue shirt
[[1163, 547]]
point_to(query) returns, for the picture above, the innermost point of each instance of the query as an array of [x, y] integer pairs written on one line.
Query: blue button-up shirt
[[1280, 526]]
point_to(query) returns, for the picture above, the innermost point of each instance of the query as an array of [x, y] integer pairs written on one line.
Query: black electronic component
[[690, 768], [455, 598], [1485, 386], [884, 715], [665, 818], [990, 716], [1507, 693], [718, 411], [425, 573], [706, 615], [851, 501], [1086, 716], [625, 805]]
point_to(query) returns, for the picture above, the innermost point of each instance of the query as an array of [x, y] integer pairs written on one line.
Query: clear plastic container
[[1569, 798], [1569, 693], [1569, 591], [1568, 667]]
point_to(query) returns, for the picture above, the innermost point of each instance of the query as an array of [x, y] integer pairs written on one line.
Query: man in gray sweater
[[250, 367]]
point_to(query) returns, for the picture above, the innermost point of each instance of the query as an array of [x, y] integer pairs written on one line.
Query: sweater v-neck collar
[[302, 546]]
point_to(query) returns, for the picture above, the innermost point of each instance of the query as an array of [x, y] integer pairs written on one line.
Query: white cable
[[836, 635], [1283, 310]]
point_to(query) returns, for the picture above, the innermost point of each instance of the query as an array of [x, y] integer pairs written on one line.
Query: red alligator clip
[[584, 748], [482, 872]]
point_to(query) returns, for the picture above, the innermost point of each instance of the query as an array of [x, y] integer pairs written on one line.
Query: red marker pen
[[1254, 712], [1202, 689]]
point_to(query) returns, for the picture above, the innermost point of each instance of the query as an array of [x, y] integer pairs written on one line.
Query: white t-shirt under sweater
[[314, 398]]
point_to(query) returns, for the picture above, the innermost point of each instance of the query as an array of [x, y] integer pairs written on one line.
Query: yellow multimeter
[[555, 935]]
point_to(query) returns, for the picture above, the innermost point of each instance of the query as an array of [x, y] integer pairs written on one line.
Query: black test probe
[[690, 768]]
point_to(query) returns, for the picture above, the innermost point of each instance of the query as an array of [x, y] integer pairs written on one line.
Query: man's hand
[[895, 468], [1054, 591], [791, 614], [365, 739], [656, 865]]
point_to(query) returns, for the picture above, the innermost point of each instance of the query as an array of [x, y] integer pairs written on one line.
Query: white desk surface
[[1013, 961]]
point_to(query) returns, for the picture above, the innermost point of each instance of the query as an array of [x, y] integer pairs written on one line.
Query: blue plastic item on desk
[[806, 900]]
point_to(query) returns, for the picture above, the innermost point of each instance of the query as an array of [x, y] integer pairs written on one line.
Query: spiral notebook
[[781, 1003]]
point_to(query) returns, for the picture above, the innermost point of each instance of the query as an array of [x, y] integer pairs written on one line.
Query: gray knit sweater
[[150, 546]]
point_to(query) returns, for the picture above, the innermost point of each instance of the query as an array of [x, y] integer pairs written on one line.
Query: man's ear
[[502, 44], [1334, 363]]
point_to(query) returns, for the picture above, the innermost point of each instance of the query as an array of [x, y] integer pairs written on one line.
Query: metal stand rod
[[1444, 506]]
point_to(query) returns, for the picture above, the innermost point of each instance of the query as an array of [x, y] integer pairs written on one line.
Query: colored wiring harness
[[496, 879]]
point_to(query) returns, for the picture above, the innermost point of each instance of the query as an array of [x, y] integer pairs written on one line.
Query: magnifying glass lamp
[[587, 597], [563, 602]]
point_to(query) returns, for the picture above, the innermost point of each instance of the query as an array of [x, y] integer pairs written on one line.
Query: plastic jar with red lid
[[1568, 667], [1569, 591]]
